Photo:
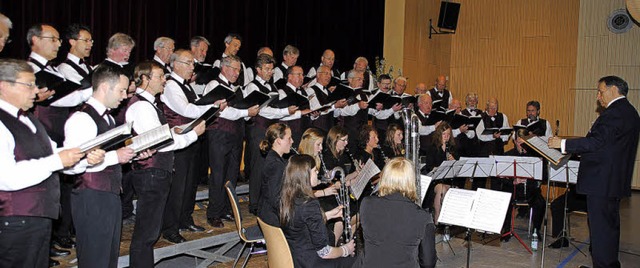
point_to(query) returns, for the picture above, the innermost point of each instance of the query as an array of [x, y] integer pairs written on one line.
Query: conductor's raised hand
[[70, 157], [555, 142]]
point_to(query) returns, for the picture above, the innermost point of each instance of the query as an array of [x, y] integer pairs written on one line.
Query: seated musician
[[392, 145], [369, 148], [442, 148], [303, 220], [386, 242]]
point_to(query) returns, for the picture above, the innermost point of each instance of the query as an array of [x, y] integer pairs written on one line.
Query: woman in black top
[[441, 149], [392, 145], [303, 220], [277, 142], [397, 232], [369, 148]]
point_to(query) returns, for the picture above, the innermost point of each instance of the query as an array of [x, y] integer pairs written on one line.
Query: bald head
[[492, 106], [441, 83], [328, 58], [421, 88], [456, 105], [425, 103]]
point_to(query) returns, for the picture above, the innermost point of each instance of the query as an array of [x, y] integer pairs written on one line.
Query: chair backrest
[[233, 199], [278, 252]]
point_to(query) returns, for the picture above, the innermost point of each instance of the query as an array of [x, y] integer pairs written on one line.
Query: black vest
[[226, 125], [540, 130], [160, 160], [444, 104], [263, 122], [42, 199], [76, 67], [325, 121], [173, 118], [488, 123], [109, 179], [53, 118]]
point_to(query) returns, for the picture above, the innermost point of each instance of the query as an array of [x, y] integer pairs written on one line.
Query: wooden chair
[[249, 238], [278, 252]]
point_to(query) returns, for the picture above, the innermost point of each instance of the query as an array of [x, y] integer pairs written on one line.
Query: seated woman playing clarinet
[[303, 221], [369, 147], [397, 232], [441, 149]]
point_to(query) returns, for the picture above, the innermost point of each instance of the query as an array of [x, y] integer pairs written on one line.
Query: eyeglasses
[[29, 85], [53, 38], [186, 62], [85, 40]]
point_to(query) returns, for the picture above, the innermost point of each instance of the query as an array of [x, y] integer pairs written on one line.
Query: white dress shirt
[[425, 130], [72, 99], [228, 113], [266, 112], [70, 73], [145, 117], [278, 74], [81, 128], [26, 173], [177, 101]]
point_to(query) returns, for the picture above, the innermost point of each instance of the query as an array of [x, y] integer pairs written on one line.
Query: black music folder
[[254, 98], [491, 130], [209, 116], [60, 85], [457, 120], [341, 92], [218, 93], [529, 128]]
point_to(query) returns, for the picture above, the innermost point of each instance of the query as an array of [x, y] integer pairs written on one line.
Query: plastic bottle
[[447, 235], [534, 240]]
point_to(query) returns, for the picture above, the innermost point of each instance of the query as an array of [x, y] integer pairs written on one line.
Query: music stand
[[448, 169], [477, 167], [518, 167]]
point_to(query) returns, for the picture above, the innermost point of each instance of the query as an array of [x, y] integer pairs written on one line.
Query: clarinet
[[353, 160], [343, 199], [294, 151], [327, 176], [382, 152]]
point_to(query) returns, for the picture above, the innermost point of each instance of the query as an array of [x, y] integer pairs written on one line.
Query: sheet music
[[489, 210], [456, 207], [485, 167], [542, 147], [150, 138], [425, 182], [122, 130], [449, 169], [526, 166], [366, 173], [559, 174], [483, 210]]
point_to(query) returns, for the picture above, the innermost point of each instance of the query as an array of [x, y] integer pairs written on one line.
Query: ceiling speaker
[[619, 21]]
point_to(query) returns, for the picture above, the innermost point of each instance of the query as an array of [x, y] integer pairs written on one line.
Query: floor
[[485, 252]]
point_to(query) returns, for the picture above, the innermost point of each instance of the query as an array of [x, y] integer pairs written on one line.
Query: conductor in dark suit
[[608, 153]]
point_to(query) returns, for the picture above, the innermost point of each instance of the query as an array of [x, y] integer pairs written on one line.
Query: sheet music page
[[542, 147], [485, 167], [124, 129], [456, 207], [425, 181], [366, 173], [559, 174], [150, 138], [489, 210], [525, 166], [445, 168]]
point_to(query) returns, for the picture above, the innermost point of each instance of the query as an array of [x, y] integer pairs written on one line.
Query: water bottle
[[447, 235], [534, 240]]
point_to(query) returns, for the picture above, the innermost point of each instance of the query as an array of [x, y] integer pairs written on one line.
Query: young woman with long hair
[[441, 149], [393, 145]]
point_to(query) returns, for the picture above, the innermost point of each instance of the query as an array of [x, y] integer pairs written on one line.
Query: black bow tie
[[81, 61], [21, 112]]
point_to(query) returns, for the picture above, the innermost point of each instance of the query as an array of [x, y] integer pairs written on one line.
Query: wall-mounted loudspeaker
[[619, 21], [448, 18]]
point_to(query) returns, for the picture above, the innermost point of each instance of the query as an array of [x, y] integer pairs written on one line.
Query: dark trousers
[[98, 219], [63, 226], [24, 241], [152, 186], [182, 191], [574, 203], [604, 229], [127, 192], [225, 149], [256, 162]]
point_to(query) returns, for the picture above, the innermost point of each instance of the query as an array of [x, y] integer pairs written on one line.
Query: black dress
[[397, 233], [269, 201], [306, 234]]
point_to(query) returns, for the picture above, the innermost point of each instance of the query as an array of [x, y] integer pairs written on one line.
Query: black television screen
[[448, 18]]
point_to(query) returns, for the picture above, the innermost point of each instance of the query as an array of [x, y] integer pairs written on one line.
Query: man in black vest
[[471, 101], [492, 144], [355, 115], [225, 142], [542, 129], [164, 47], [179, 108], [290, 56], [321, 89], [384, 87], [232, 44], [152, 177], [327, 59], [427, 123], [297, 121], [361, 64], [29, 159], [75, 67], [440, 95], [95, 201]]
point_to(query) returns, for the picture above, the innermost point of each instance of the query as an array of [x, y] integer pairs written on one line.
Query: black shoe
[[174, 238], [560, 243], [54, 252], [505, 238], [215, 222], [228, 217], [53, 262], [192, 228], [584, 266], [64, 242]]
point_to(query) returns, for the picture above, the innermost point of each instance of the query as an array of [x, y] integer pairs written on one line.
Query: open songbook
[[542, 147], [207, 117], [482, 210], [109, 139], [460, 119], [503, 131], [152, 139], [366, 173], [529, 128], [256, 97]]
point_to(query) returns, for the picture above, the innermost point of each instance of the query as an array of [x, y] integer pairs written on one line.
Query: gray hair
[[176, 54], [400, 78], [10, 68], [161, 42], [35, 30], [195, 41], [226, 61], [352, 73], [362, 59], [6, 21], [290, 50], [230, 37], [119, 40]]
